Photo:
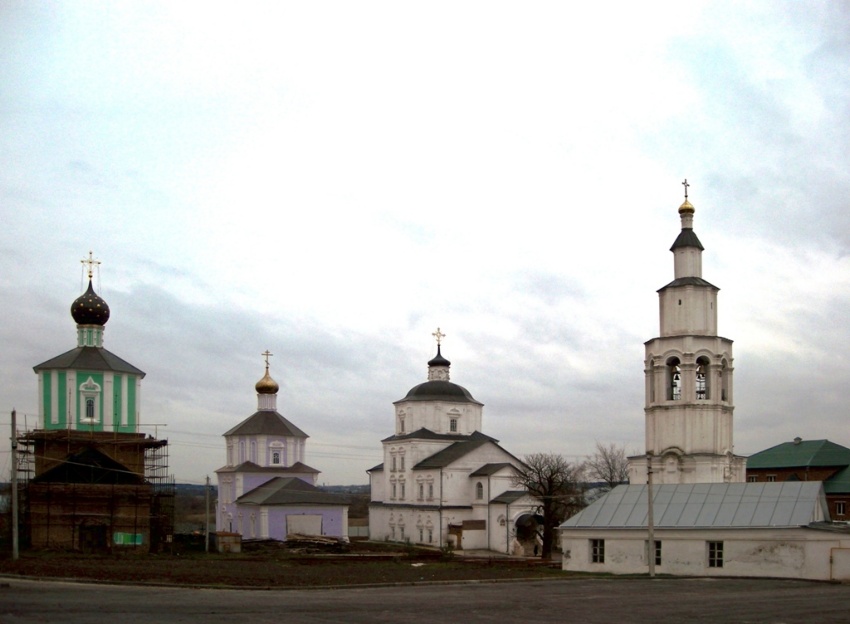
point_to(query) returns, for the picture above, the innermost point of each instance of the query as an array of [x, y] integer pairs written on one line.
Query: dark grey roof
[[427, 434], [511, 496], [89, 358], [688, 281], [289, 491], [439, 391], [707, 505], [452, 453], [378, 468], [687, 238], [489, 469], [267, 422], [250, 466]]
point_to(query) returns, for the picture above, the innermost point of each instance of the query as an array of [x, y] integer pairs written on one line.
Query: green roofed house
[[807, 460]]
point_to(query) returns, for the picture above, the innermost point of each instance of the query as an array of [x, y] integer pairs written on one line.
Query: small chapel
[[91, 481], [265, 490], [444, 482]]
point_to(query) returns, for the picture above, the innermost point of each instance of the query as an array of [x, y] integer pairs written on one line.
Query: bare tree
[[556, 483], [609, 465]]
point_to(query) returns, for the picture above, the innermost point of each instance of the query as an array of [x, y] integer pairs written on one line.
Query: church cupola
[[438, 367], [90, 312], [267, 389]]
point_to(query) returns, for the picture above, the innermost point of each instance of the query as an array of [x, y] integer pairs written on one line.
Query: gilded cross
[[91, 262], [686, 185], [438, 335], [267, 355]]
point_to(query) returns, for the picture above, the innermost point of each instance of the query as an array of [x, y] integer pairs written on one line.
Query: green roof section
[[839, 483], [801, 454]]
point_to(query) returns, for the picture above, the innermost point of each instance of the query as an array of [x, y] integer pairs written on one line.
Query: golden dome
[[267, 385], [686, 207]]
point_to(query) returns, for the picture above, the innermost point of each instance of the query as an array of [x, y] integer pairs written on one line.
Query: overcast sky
[[332, 181]]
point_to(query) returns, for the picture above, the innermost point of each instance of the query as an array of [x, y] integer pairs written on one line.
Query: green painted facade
[[108, 409]]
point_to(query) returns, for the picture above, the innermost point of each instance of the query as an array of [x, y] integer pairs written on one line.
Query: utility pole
[[207, 511], [650, 550], [14, 484]]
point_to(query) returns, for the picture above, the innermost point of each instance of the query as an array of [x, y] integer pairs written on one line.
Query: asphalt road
[[586, 601]]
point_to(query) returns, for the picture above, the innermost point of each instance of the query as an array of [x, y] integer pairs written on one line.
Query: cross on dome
[[438, 335], [686, 185], [91, 262], [267, 355]]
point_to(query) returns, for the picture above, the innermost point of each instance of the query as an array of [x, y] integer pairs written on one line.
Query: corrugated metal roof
[[707, 505], [805, 453]]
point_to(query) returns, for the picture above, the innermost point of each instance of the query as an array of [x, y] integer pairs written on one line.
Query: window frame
[[597, 551], [715, 554]]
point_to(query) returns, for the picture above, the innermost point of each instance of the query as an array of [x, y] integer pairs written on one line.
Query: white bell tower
[[688, 372]]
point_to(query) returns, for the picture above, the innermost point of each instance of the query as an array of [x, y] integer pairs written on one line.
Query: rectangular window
[[715, 554], [420, 535], [402, 491], [597, 551], [657, 551], [402, 532], [430, 491], [771, 478], [752, 479], [393, 468], [393, 496], [421, 494], [453, 425], [840, 507], [402, 463], [430, 536]]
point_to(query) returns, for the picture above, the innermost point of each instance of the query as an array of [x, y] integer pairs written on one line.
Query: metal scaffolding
[[94, 491]]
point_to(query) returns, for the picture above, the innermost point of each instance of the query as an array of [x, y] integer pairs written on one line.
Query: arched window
[[479, 490], [702, 383], [724, 381], [674, 379], [276, 458], [453, 425], [401, 424], [90, 409]]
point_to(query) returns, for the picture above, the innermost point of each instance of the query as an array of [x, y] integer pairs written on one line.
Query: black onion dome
[[439, 391], [439, 360], [90, 309]]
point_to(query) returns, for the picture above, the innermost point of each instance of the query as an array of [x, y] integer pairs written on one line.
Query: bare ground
[[273, 568]]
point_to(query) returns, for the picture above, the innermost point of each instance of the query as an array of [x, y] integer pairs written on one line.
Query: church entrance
[[529, 528], [93, 538]]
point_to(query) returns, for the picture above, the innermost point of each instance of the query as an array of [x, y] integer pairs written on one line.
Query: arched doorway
[[529, 528]]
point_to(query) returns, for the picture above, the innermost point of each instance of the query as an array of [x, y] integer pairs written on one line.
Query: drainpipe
[[650, 547], [440, 508], [507, 528]]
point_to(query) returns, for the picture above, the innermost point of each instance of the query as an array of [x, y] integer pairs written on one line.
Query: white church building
[[442, 480], [705, 520]]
